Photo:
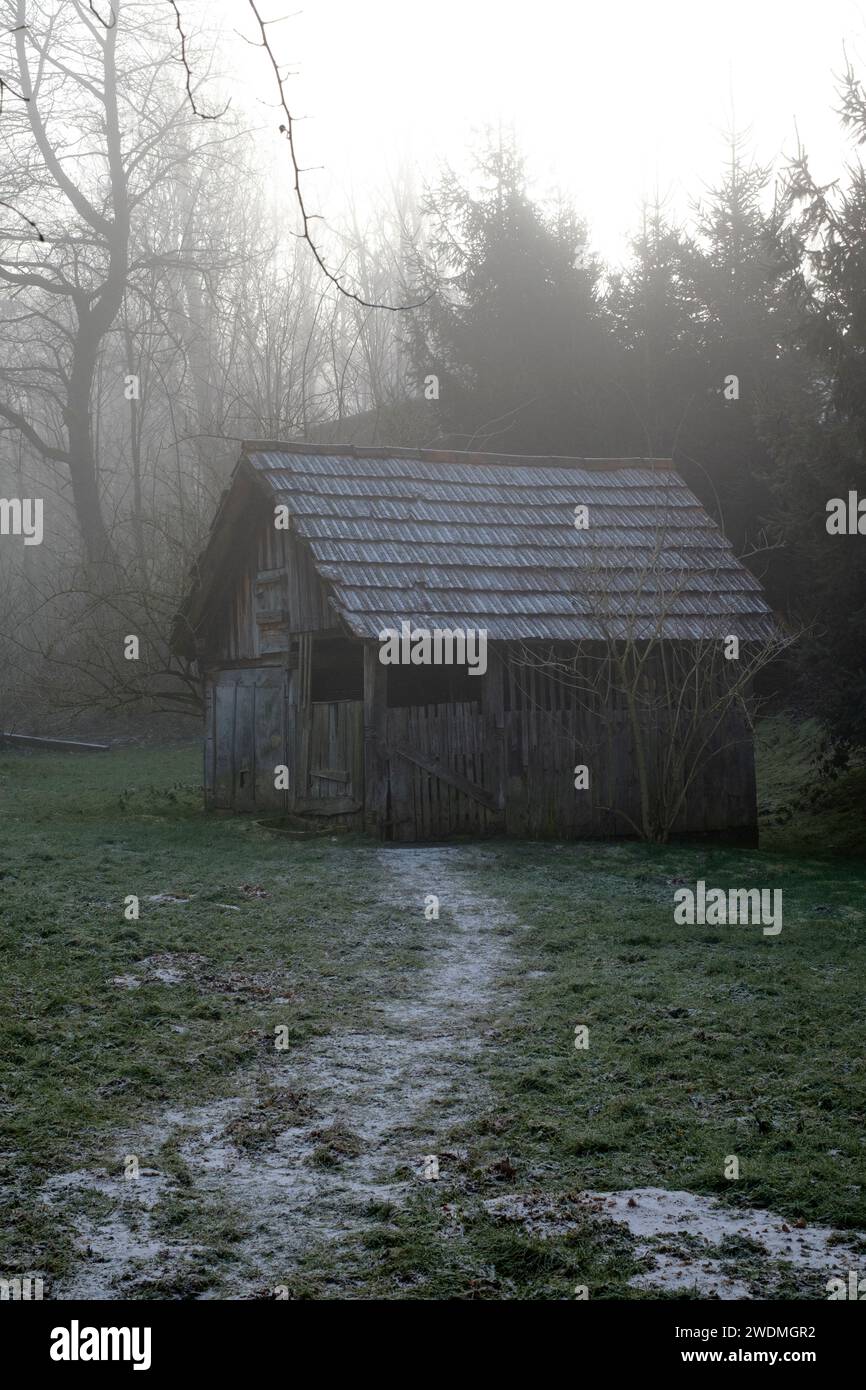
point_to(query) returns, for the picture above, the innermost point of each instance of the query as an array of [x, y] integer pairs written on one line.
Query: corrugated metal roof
[[444, 540]]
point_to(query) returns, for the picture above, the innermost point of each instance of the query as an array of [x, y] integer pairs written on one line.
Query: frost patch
[[683, 1236], [189, 967], [110, 1244]]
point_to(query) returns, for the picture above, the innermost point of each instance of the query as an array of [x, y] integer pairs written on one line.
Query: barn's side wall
[[257, 655], [505, 763], [554, 724], [270, 591]]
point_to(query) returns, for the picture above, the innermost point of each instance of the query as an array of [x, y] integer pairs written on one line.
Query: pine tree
[[747, 329], [654, 309], [514, 330], [817, 433]]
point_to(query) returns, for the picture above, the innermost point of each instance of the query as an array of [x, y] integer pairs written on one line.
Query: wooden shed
[[318, 550]]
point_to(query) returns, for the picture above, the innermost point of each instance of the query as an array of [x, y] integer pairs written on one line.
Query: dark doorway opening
[[337, 670]]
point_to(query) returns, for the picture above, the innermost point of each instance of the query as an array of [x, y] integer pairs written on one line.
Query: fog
[[587, 231], [610, 103]]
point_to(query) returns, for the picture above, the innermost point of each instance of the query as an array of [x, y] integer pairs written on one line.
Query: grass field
[[156, 1037]]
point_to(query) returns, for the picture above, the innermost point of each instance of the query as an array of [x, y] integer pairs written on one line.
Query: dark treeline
[[156, 308], [734, 345]]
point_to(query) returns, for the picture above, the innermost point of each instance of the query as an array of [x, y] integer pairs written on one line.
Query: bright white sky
[[608, 100]]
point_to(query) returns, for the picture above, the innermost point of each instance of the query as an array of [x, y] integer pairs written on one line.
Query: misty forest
[[228, 999], [161, 305]]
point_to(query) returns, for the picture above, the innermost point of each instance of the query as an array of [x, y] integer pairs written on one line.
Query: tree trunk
[[82, 461]]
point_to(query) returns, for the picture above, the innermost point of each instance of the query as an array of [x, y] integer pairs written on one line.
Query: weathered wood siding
[[506, 763], [260, 717], [332, 781], [439, 764], [246, 736], [271, 591], [552, 731]]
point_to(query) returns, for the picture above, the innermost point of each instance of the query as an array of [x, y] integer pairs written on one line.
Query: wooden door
[[331, 759], [444, 772], [247, 739]]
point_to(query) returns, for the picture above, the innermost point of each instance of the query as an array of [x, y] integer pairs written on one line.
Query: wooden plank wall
[[336, 759], [376, 767], [551, 727], [246, 737], [521, 745], [422, 805], [272, 592]]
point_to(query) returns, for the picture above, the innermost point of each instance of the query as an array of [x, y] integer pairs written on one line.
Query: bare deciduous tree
[[661, 674]]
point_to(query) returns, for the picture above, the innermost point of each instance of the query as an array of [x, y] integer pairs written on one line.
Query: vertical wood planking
[[375, 713]]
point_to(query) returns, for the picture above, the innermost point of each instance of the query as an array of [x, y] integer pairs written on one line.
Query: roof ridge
[[455, 456]]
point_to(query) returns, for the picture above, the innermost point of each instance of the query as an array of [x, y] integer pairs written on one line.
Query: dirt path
[[313, 1141], [371, 1106]]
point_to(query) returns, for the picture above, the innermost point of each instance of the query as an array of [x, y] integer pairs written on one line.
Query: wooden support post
[[302, 760], [375, 757], [493, 709], [209, 743], [516, 721]]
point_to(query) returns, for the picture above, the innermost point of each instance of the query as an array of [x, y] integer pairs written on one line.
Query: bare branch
[[23, 216], [202, 115], [287, 128], [48, 451]]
